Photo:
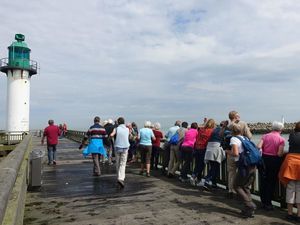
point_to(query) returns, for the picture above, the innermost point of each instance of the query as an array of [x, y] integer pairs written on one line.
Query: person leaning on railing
[[272, 146], [202, 138], [175, 150], [156, 149], [167, 146], [242, 182], [234, 118], [289, 174], [187, 149]]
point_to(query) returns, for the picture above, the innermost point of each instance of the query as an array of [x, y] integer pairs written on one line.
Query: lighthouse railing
[[3, 62], [26, 64]]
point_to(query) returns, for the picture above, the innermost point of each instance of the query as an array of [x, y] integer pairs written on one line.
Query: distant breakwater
[[262, 128]]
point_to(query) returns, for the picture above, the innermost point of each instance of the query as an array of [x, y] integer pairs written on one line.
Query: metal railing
[[14, 174], [75, 135], [11, 138], [279, 195], [33, 65]]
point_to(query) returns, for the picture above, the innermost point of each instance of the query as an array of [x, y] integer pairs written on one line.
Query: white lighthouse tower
[[19, 69]]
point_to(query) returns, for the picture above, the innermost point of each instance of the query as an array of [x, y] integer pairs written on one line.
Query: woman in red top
[[156, 145], [204, 134]]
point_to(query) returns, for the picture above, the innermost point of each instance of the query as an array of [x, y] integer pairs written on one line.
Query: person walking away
[[121, 149], [65, 129], [175, 154], [145, 138], [51, 133], [61, 130], [166, 155], [272, 146], [187, 151], [132, 154], [96, 134], [242, 180], [214, 155], [202, 138], [289, 174], [156, 149], [234, 118], [109, 142]]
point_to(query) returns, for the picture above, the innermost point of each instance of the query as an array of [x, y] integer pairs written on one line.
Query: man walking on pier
[[121, 149], [96, 134], [52, 132]]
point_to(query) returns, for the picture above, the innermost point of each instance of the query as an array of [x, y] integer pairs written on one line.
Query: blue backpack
[[174, 139], [250, 156]]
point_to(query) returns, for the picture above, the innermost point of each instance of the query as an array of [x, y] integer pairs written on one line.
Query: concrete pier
[[71, 195]]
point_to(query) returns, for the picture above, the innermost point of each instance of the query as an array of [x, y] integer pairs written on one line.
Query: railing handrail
[[9, 169], [33, 65]]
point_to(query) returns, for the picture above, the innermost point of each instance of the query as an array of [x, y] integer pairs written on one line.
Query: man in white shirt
[[121, 149]]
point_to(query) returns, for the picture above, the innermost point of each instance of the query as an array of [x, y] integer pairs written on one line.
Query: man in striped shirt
[[96, 134]]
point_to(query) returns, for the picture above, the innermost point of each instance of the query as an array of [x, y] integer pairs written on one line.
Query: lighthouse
[[18, 68]]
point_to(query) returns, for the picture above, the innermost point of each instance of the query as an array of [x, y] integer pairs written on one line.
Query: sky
[[157, 60]]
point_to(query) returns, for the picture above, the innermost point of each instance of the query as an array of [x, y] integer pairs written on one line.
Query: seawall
[[262, 128]]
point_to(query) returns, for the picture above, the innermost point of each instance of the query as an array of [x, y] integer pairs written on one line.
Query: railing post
[[8, 138]]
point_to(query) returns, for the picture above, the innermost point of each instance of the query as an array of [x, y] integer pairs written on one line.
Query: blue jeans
[[51, 153]]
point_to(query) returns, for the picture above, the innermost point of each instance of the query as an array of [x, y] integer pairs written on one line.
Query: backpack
[[174, 139], [226, 140], [250, 156]]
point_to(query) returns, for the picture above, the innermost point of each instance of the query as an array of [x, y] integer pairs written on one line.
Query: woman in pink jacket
[[187, 151]]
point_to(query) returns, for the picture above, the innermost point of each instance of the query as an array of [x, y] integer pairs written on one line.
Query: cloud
[[157, 60]]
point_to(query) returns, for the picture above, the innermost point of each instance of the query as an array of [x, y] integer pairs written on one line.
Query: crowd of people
[[207, 143]]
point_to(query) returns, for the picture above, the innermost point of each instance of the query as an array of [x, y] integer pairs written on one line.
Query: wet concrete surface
[[71, 195]]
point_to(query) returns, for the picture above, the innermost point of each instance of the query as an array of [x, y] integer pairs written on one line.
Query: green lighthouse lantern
[[19, 57], [18, 53]]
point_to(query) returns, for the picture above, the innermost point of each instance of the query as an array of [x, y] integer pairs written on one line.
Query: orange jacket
[[290, 169]]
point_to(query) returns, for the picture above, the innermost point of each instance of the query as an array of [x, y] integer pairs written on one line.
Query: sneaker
[[247, 214], [214, 186], [96, 174], [170, 175], [200, 184], [54, 162], [268, 207], [206, 186], [290, 217], [121, 183], [147, 174], [248, 211], [193, 180]]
